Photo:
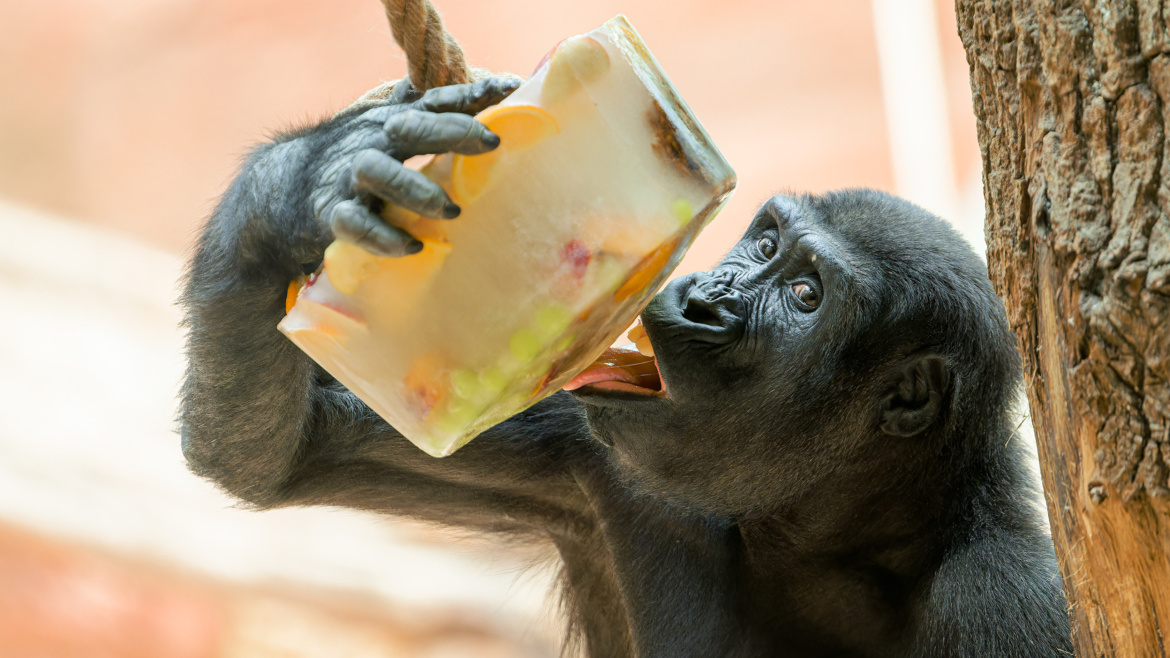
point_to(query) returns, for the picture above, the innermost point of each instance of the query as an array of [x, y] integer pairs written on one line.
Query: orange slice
[[294, 289], [643, 275], [519, 127]]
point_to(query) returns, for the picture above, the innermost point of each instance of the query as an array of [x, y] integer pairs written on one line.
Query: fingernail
[[414, 247], [451, 211], [491, 139]]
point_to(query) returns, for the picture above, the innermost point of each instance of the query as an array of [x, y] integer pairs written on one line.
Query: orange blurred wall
[[134, 114]]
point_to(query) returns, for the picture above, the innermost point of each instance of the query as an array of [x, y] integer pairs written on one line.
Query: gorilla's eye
[[806, 294], [767, 247]]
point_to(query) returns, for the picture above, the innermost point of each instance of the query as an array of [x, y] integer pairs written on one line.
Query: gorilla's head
[[848, 341]]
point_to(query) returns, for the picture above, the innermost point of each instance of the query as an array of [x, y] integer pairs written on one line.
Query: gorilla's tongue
[[621, 369]]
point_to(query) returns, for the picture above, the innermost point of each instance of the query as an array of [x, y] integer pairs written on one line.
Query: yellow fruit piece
[[641, 340], [347, 265], [575, 61], [645, 348], [519, 127], [636, 333]]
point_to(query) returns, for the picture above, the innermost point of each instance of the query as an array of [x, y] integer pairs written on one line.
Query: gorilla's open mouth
[[622, 370]]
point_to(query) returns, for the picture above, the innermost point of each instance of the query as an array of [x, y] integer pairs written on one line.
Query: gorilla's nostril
[[702, 311]]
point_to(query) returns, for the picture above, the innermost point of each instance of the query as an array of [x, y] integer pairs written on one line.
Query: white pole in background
[[917, 120]]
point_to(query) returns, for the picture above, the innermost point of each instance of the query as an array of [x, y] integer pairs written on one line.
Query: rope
[[433, 56]]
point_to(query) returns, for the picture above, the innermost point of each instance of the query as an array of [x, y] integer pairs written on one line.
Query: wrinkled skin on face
[[820, 350]]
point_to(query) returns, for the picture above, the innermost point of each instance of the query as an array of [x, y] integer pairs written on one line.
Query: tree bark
[[1072, 99]]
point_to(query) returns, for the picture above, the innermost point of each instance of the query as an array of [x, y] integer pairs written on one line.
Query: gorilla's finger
[[353, 222], [413, 133], [378, 174], [468, 98]]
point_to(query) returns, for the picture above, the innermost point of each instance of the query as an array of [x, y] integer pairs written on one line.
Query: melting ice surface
[[602, 180]]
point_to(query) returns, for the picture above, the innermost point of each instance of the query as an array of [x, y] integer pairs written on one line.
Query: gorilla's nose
[[712, 308]]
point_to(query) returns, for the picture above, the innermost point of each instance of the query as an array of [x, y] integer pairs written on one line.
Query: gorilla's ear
[[917, 395]]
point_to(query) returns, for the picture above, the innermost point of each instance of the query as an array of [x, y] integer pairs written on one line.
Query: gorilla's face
[[764, 392]]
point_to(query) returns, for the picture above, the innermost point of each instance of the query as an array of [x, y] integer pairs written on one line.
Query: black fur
[[832, 479]]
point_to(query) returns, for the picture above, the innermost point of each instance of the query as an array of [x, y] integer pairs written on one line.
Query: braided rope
[[433, 56]]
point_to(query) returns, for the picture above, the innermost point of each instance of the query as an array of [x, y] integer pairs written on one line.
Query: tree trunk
[[1073, 99]]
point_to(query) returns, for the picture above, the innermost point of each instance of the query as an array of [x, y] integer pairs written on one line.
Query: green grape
[[525, 345], [551, 321], [493, 379], [466, 383], [458, 415], [682, 211]]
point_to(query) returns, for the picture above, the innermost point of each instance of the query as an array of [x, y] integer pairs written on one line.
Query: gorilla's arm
[[265, 422], [998, 595], [674, 569]]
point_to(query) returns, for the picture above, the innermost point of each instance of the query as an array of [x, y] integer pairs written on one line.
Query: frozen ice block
[[602, 180]]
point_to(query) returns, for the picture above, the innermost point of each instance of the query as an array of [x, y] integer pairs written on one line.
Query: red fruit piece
[[424, 384], [577, 255]]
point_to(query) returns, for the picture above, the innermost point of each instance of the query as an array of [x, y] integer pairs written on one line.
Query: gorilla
[[827, 464]]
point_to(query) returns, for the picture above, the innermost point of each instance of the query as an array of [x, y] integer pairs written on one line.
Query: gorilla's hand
[[363, 169]]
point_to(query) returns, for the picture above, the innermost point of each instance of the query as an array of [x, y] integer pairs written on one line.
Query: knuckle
[[408, 126], [397, 177], [364, 232], [394, 128], [366, 163], [354, 224], [343, 213]]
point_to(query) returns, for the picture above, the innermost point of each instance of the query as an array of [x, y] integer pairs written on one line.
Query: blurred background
[[121, 121]]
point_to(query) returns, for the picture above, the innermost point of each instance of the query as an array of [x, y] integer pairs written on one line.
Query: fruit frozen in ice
[[641, 340], [424, 383], [294, 290], [571, 63], [650, 267], [682, 211], [551, 321], [519, 127], [348, 265], [602, 179]]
